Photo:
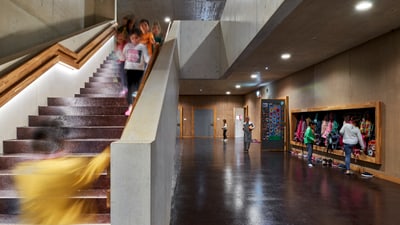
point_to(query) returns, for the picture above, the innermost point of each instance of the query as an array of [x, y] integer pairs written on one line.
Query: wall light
[[286, 56], [363, 5]]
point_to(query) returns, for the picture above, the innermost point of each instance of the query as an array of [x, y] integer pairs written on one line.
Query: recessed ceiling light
[[201, 90], [266, 68], [253, 76], [237, 86], [363, 5], [167, 19], [286, 56], [228, 92]]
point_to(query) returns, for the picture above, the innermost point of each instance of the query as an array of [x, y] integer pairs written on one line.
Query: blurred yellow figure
[[46, 188]]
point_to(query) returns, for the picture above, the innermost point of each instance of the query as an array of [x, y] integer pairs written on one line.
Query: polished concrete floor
[[219, 184]]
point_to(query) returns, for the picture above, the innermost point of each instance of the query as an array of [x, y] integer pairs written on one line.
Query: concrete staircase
[[94, 118]]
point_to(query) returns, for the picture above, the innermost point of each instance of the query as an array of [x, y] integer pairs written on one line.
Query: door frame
[[214, 119]]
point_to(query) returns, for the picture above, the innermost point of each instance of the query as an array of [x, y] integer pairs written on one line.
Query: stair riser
[[112, 74], [75, 133], [112, 85], [11, 206], [84, 110], [97, 95], [69, 121], [108, 90], [9, 162], [110, 64], [103, 79], [72, 146], [115, 101], [7, 182], [110, 71]]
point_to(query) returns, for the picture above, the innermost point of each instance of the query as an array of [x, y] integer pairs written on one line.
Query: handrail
[[15, 81]]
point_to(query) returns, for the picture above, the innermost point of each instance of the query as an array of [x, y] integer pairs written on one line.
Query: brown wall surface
[[367, 73], [223, 107]]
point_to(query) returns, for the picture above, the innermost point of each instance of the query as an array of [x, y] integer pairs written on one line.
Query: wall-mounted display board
[[330, 119], [273, 114]]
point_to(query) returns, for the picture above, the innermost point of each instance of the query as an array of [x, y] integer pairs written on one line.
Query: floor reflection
[[218, 183]]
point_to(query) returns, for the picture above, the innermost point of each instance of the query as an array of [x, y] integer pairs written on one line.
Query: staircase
[[94, 118]]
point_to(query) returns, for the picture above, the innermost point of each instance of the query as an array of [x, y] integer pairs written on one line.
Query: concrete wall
[[142, 161], [201, 50], [24, 24], [15, 112], [366, 73], [239, 27]]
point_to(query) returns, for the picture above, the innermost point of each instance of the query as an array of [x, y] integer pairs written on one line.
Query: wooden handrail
[[15, 81]]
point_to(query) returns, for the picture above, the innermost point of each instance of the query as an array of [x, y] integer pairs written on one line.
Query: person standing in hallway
[[224, 129], [248, 127], [309, 139], [351, 136]]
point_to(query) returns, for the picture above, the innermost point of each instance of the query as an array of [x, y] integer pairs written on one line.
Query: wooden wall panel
[[367, 73], [223, 109]]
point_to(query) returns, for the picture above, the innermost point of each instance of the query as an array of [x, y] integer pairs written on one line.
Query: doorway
[[204, 123], [239, 117]]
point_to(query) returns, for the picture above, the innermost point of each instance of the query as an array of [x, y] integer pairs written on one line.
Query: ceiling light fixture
[[237, 86], [254, 76], [167, 19], [286, 56], [228, 92], [363, 5], [266, 68]]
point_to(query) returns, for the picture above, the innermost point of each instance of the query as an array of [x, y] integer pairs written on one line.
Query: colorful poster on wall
[[272, 127]]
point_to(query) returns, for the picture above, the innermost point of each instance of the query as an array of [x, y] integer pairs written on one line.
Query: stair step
[[82, 110], [110, 64], [7, 181], [100, 219], [112, 85], [97, 95], [9, 161], [87, 145], [108, 90], [77, 132], [9, 200], [88, 101], [110, 74], [103, 79], [108, 70], [80, 120]]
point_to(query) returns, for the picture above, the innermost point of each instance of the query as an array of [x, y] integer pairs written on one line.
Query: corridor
[[219, 184]]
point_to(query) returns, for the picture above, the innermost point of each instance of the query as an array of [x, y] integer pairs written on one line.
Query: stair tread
[[87, 194], [6, 219]]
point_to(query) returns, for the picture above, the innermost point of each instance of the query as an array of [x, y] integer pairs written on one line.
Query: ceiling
[[312, 32]]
